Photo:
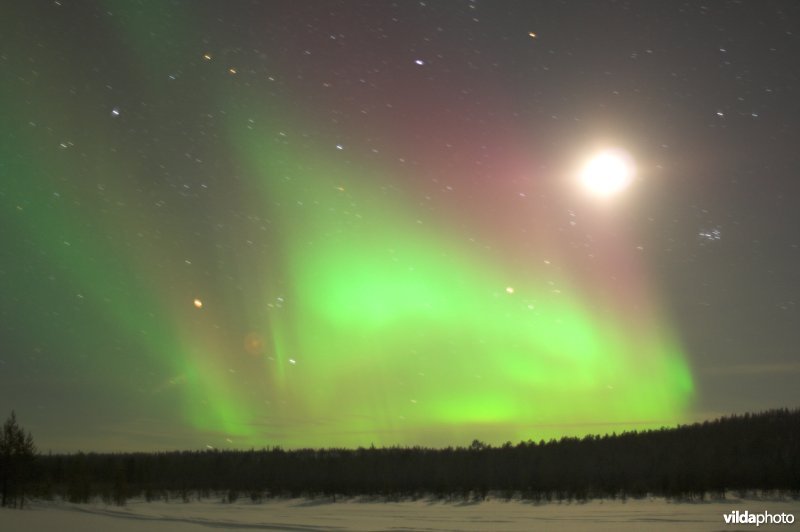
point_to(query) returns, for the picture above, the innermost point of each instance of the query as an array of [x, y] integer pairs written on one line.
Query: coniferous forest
[[739, 455]]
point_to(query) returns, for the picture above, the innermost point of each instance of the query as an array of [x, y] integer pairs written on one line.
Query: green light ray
[[113, 279]]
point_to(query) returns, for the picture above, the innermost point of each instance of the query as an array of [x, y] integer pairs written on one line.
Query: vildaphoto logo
[[763, 518]]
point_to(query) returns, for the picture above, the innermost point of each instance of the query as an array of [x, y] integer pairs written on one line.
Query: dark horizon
[[748, 456]]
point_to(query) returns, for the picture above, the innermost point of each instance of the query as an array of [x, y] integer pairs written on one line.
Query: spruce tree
[[17, 452]]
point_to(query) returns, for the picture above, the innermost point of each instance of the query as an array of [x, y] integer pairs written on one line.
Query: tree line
[[739, 454]]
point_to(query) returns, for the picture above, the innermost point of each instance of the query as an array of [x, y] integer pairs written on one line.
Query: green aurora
[[335, 310], [367, 325]]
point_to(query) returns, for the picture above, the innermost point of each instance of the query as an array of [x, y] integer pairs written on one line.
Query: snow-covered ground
[[310, 515]]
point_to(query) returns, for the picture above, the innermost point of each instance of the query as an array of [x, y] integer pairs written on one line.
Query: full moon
[[607, 173]]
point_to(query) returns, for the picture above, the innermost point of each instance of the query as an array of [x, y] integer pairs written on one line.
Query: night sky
[[344, 223]]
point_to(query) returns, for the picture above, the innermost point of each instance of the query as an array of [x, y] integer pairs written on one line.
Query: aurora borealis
[[315, 224]]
